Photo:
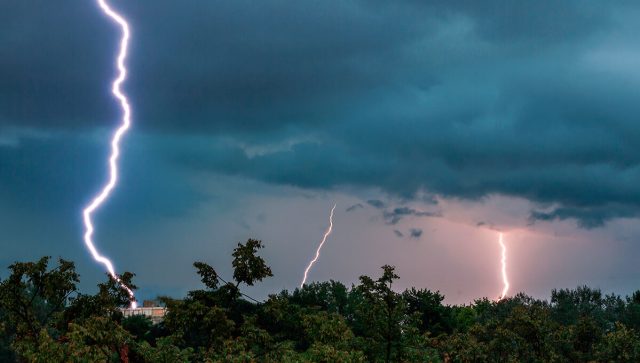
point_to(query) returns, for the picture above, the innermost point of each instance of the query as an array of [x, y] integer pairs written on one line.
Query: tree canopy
[[44, 318]]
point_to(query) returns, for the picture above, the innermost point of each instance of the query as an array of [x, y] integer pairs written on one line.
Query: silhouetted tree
[[43, 318]]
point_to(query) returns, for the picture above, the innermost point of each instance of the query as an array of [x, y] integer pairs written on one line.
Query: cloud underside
[[456, 99]]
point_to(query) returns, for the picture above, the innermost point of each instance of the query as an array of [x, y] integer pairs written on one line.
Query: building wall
[[156, 313]]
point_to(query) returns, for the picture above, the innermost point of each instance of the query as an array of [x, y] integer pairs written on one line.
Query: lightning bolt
[[100, 198], [324, 239], [505, 279]]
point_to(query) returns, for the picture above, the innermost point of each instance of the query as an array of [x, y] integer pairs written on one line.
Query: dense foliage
[[43, 318]]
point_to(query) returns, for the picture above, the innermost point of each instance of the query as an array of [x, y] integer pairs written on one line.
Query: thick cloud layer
[[458, 99]]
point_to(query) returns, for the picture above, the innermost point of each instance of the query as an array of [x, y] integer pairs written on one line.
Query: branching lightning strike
[[115, 145], [324, 239], [505, 279]]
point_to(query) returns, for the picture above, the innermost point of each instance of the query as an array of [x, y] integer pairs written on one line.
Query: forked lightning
[[103, 195], [324, 239], [505, 279]]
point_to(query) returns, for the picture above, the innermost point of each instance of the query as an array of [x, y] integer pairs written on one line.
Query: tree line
[[44, 318]]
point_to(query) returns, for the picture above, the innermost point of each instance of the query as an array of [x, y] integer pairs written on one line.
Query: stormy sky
[[432, 125]]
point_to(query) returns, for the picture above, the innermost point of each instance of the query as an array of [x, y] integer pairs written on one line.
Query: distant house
[[149, 309]]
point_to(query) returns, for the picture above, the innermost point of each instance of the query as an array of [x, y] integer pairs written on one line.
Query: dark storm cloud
[[226, 65], [55, 176], [376, 203], [588, 218], [54, 60], [208, 66], [415, 233], [395, 215], [458, 99]]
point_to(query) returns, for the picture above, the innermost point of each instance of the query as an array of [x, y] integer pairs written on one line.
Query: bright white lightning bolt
[[505, 280], [115, 146], [324, 239]]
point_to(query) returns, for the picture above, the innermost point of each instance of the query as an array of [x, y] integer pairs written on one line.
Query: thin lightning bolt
[[324, 239], [115, 146], [505, 280]]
